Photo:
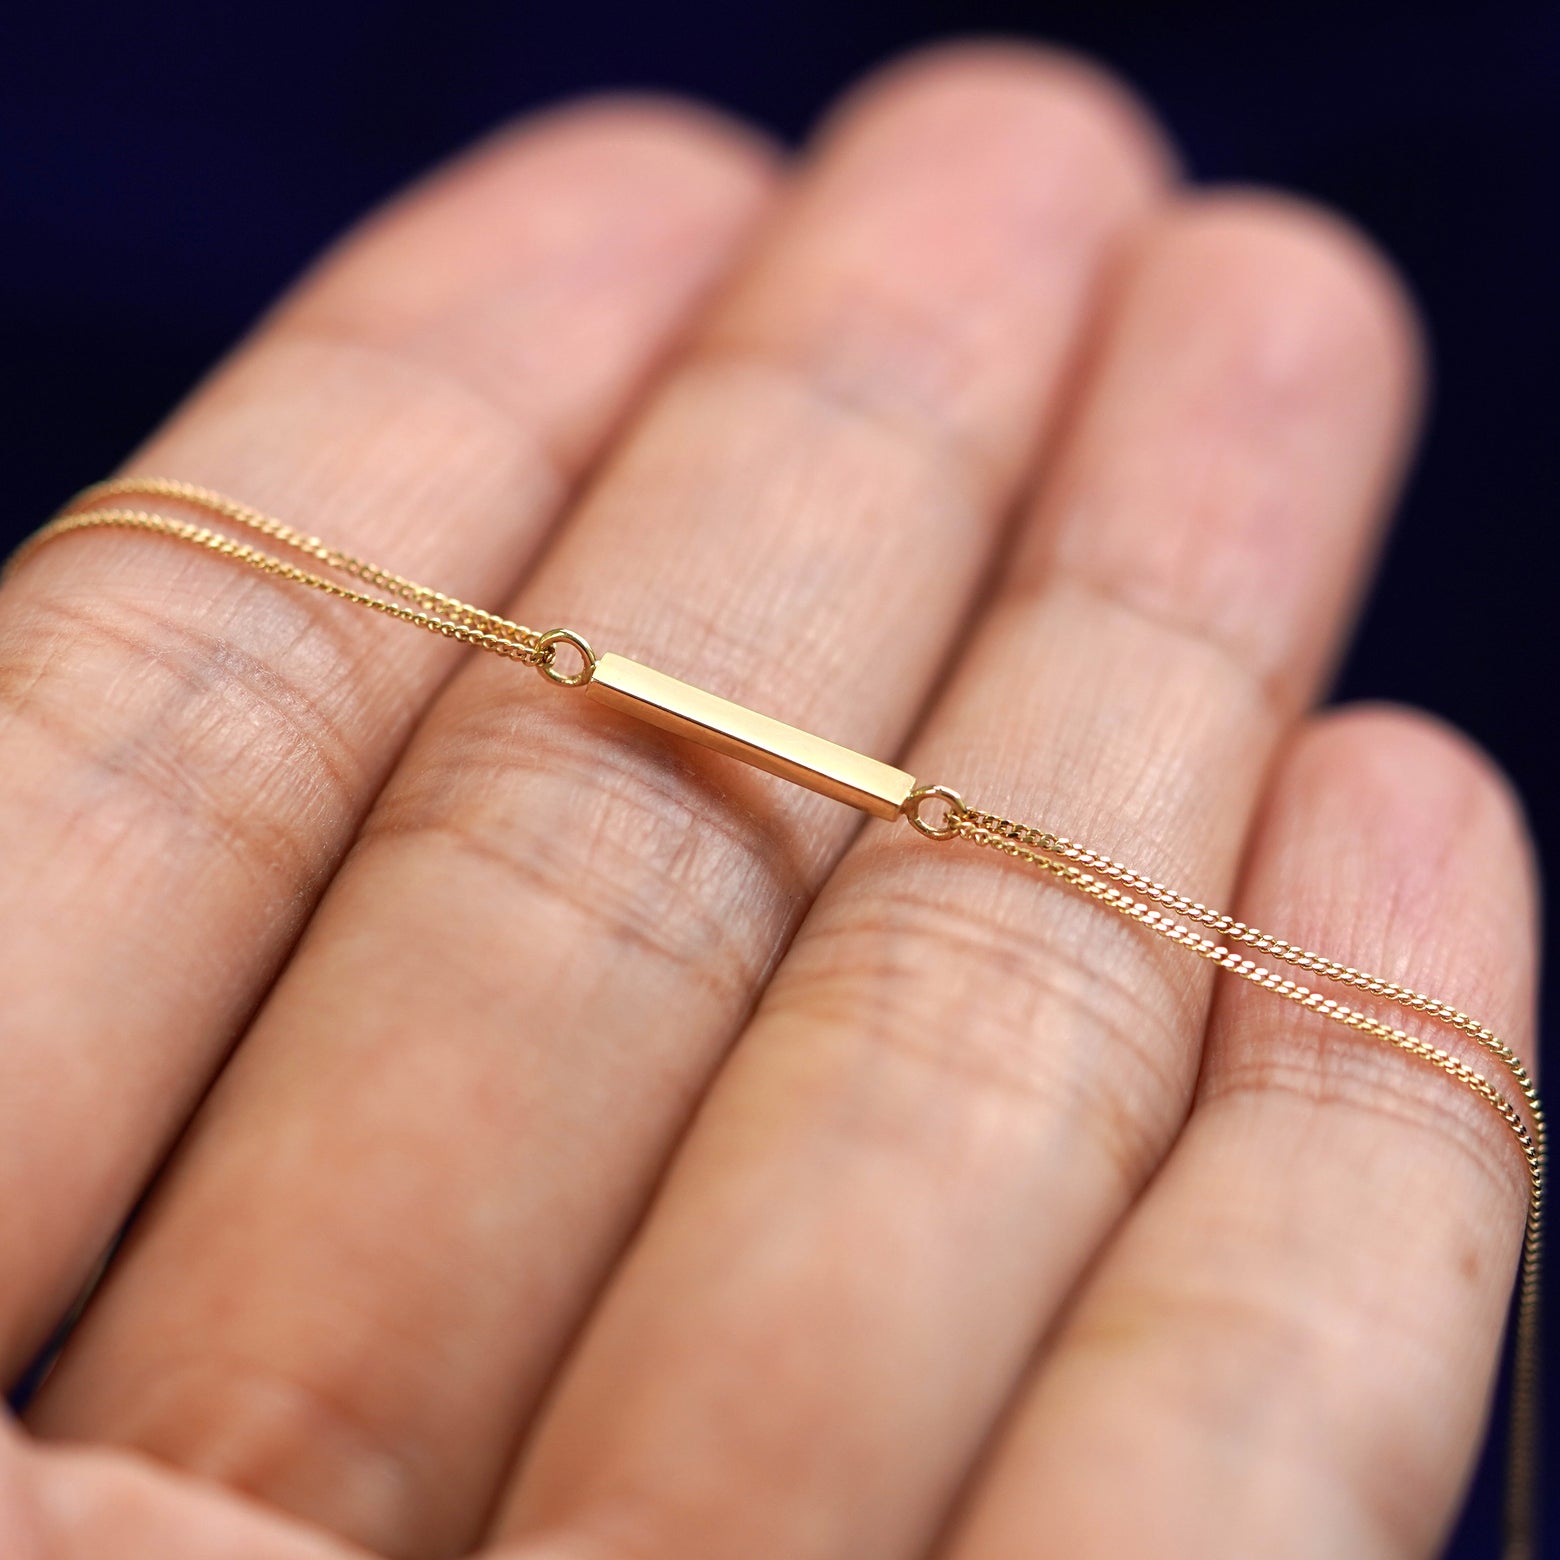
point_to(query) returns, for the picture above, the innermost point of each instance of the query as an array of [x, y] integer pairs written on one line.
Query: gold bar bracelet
[[884, 791]]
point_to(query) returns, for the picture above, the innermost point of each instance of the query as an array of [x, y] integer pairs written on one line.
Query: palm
[[623, 1156]]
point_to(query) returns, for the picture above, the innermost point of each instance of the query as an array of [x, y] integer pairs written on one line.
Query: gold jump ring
[[547, 645]]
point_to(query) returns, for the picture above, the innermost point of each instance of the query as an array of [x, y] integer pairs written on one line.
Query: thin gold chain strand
[[1107, 881], [1131, 894], [433, 602], [430, 609]]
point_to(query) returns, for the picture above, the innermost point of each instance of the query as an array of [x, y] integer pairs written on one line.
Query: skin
[[570, 1145]]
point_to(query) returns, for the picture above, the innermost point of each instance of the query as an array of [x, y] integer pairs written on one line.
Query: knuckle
[[417, 402], [1194, 1350], [1381, 742], [277, 1433], [622, 839], [882, 433], [1081, 1021], [197, 723], [1328, 1071]]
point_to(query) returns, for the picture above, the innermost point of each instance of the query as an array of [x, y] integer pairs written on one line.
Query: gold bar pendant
[[759, 740]]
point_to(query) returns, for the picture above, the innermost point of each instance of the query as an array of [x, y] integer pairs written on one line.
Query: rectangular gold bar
[[766, 743]]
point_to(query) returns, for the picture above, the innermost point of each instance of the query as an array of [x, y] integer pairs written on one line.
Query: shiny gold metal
[[410, 602], [547, 646], [915, 805], [887, 792], [760, 740]]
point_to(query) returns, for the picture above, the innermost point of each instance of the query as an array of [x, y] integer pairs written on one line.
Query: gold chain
[[889, 792], [1131, 894], [429, 609]]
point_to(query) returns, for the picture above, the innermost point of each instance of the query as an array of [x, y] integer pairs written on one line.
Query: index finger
[[185, 751]]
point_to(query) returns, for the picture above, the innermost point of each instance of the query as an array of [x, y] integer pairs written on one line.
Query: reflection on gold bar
[[768, 744]]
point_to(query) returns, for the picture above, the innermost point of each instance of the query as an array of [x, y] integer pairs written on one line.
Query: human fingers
[[1288, 1349], [93, 1504], [962, 1074], [184, 749], [556, 920]]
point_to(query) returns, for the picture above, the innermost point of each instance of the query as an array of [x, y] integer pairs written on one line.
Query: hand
[[612, 1153]]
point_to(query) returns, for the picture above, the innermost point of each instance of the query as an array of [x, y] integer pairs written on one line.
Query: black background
[[167, 168]]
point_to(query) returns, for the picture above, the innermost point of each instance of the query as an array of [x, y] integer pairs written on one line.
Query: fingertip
[[658, 184], [1428, 780], [1404, 827], [1320, 308], [660, 133], [633, 209], [979, 86]]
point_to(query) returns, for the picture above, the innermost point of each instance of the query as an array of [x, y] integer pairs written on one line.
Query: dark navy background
[[167, 167]]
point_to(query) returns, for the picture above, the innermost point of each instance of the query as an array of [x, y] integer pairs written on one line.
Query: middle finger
[[440, 1130]]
